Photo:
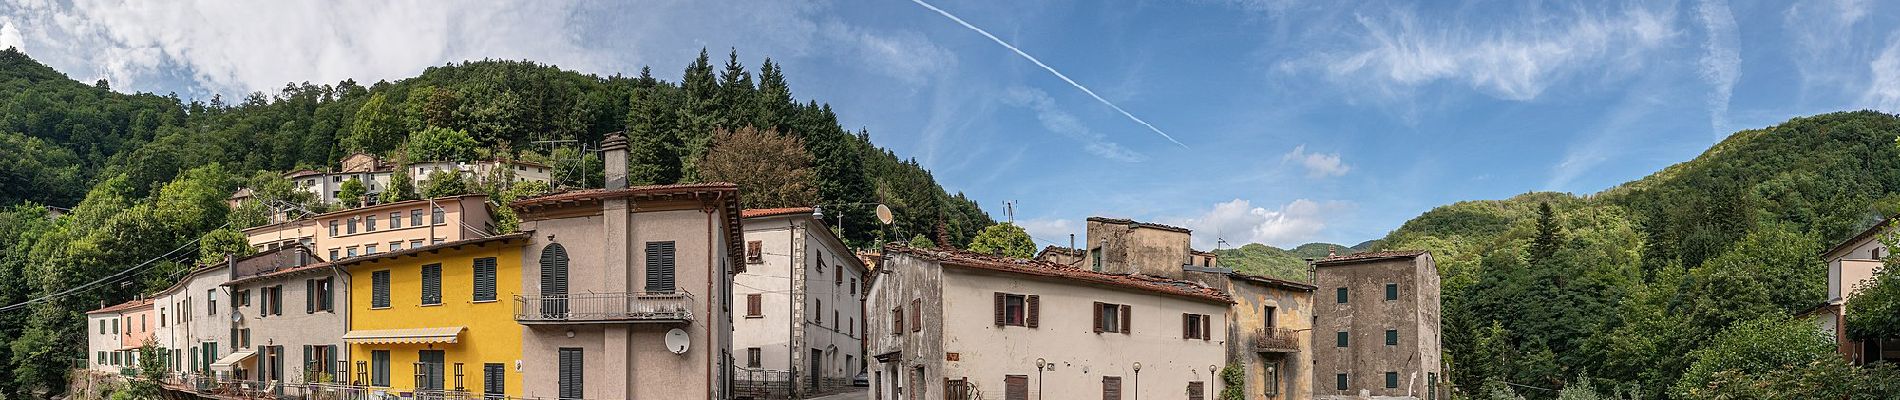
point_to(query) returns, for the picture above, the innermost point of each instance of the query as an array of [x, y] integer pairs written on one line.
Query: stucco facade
[[940, 332], [1378, 328], [467, 322], [1851, 264], [1272, 326], [195, 328], [286, 305], [806, 289], [1120, 246], [116, 332], [381, 228]]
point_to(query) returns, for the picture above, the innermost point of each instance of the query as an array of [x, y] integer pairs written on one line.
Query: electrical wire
[[121, 275]]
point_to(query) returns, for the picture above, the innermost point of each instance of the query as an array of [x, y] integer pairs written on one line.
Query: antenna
[[1009, 209]]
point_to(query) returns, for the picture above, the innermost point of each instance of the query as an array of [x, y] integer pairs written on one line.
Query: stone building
[[1378, 328], [800, 322]]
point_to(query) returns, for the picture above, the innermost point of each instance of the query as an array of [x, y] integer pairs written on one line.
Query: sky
[[1269, 121]]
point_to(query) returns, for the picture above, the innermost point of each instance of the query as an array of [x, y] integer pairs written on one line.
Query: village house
[[192, 326], [627, 290], [1851, 264], [285, 319], [1377, 326], [800, 327], [375, 174], [362, 231], [121, 330], [436, 320], [958, 325]]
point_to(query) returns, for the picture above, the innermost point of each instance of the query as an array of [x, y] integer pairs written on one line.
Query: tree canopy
[[1004, 239]]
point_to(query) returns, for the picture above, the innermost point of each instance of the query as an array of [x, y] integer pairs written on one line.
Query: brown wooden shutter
[[1000, 299], [916, 315], [753, 306], [1016, 387], [1033, 305], [1187, 326], [1096, 310], [1111, 388], [1195, 391], [897, 321], [1125, 311], [1207, 326]]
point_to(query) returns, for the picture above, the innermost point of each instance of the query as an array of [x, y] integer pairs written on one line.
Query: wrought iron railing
[[605, 307], [1278, 340]]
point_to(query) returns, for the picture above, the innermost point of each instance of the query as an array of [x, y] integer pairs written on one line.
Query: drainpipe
[[711, 245]]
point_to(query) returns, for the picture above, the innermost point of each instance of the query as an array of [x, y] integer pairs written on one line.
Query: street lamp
[[1137, 380], [1040, 363]]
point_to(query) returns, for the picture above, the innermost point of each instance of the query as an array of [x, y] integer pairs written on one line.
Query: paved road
[[853, 394]]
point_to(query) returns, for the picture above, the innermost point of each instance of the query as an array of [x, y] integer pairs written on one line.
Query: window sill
[[754, 316], [379, 308], [430, 305], [483, 301]]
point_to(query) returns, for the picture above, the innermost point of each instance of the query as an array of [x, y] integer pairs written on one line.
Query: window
[[333, 253], [349, 251], [837, 276], [435, 240], [1340, 339], [333, 228], [570, 373], [1016, 387], [276, 300], [436, 217], [1272, 317], [395, 220], [369, 249], [1197, 391], [369, 223], [415, 243], [351, 226], [395, 246], [1272, 379], [318, 294], [379, 290], [431, 284], [854, 287], [753, 306], [752, 356], [1391, 380], [1111, 317], [1017, 310], [1339, 381], [1197, 326], [660, 267], [1111, 388], [1391, 291], [494, 380], [485, 279], [102, 327], [897, 321], [379, 368], [1341, 294], [818, 312], [415, 217], [754, 252], [1391, 337], [115, 326], [1096, 255], [429, 368], [916, 315]]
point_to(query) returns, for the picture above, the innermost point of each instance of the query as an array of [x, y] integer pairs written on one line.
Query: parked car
[[861, 380]]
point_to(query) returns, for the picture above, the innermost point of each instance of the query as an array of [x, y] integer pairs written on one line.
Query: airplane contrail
[[1058, 74]]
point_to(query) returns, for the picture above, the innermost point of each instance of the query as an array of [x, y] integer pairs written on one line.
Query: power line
[[109, 278]]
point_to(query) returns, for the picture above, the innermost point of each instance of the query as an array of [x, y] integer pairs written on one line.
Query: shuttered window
[[494, 381], [570, 373], [1016, 387], [956, 389], [326, 294], [485, 279], [431, 284], [554, 280], [753, 357], [1015, 309], [1033, 307], [660, 267], [1113, 318], [309, 296], [1197, 326], [1111, 388], [916, 315], [754, 306], [897, 321], [379, 368], [754, 252], [1196, 391], [379, 289], [277, 300]]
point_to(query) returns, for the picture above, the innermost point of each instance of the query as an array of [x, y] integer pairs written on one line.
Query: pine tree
[[1549, 235], [696, 116], [653, 149], [736, 95]]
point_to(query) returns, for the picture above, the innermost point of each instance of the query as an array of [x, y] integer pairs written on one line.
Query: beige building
[[1849, 265], [626, 290], [286, 309], [801, 310], [381, 228], [192, 323], [1378, 328], [960, 325], [116, 334]]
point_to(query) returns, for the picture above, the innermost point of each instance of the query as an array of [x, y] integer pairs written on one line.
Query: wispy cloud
[[1317, 165], [1884, 91], [907, 56], [1511, 58], [1058, 121], [1721, 63], [1822, 32], [1052, 70], [1052, 231], [1240, 222]]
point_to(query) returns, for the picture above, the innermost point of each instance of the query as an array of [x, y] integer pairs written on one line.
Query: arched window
[[554, 281]]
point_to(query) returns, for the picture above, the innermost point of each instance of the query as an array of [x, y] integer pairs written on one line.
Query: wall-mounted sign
[[952, 356]]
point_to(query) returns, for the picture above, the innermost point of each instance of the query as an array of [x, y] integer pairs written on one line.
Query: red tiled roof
[[726, 195], [123, 306], [773, 212], [1370, 256], [1059, 250], [1047, 269], [277, 273], [1139, 224]]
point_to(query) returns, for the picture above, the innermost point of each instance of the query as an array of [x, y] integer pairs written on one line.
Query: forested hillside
[[1658, 286], [1255, 258], [143, 174]]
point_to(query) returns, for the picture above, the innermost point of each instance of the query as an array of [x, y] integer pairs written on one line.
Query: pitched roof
[[1065, 251], [129, 305], [417, 251], [1370, 256], [773, 212], [1863, 235], [1145, 283], [1139, 224], [1271, 281], [726, 195]]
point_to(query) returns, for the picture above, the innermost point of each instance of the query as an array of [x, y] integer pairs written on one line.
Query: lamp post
[[1137, 380], [1040, 363], [1210, 375]]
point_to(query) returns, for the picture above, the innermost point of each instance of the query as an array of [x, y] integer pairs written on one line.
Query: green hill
[[1255, 258]]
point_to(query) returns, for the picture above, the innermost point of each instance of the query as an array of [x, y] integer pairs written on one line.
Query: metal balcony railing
[[1276, 340], [605, 307]]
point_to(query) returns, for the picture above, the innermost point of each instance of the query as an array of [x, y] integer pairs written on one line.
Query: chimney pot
[[614, 155]]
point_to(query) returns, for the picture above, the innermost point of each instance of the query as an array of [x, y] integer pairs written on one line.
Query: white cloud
[[1058, 121], [1822, 32], [1239, 222], [1318, 165], [1884, 92], [907, 56], [1721, 63], [1516, 59], [10, 36], [1056, 231]]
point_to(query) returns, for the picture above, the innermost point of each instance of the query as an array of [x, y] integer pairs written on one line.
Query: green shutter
[[554, 280], [485, 279], [660, 267], [570, 373], [432, 284], [379, 292]]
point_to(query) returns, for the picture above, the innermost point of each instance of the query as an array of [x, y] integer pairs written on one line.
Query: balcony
[[1275, 340], [604, 308]]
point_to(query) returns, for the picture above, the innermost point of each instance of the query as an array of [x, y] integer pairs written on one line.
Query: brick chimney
[[614, 155]]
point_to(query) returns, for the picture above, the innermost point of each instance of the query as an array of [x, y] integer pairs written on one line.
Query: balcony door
[[429, 370], [554, 282]]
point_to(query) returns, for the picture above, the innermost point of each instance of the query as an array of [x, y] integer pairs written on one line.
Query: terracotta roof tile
[[987, 262], [1059, 250], [773, 212], [123, 306], [1370, 256], [1139, 224]]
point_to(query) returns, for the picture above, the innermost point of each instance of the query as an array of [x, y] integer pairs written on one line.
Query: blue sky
[[1297, 121]]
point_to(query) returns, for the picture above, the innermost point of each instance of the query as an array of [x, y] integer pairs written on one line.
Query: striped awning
[[227, 362], [404, 336]]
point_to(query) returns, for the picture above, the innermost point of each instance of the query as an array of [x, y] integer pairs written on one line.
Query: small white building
[[376, 173], [1851, 264], [961, 325], [800, 308]]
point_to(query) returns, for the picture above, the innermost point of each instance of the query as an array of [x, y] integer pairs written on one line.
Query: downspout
[[714, 385]]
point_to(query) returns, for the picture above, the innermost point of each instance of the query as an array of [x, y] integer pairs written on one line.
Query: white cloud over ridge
[[1239, 222], [1317, 165], [1884, 91]]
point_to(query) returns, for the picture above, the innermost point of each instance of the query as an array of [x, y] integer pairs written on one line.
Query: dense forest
[[1682, 284], [1260, 259], [136, 176]]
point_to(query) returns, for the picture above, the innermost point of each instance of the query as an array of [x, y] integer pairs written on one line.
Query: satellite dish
[[677, 341], [236, 317], [884, 214]]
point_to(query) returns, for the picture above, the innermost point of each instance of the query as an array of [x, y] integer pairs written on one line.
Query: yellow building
[[437, 318]]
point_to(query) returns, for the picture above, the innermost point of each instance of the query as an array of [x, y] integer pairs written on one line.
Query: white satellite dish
[[884, 214], [677, 341]]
